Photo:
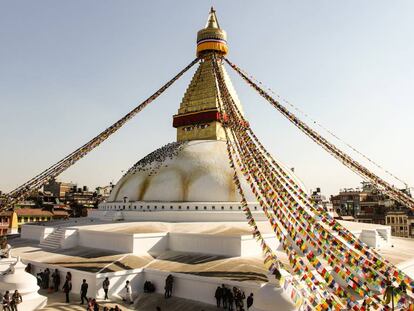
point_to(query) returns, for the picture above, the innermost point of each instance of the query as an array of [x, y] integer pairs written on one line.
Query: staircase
[[382, 235], [381, 240], [54, 239]]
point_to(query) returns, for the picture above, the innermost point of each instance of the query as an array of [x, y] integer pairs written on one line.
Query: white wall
[[186, 286], [34, 232], [152, 243], [175, 206], [77, 276], [180, 215], [106, 240], [70, 238], [207, 244], [194, 287], [250, 247], [117, 283]]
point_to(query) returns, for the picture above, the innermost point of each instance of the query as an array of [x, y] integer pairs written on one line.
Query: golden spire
[[199, 116], [212, 38]]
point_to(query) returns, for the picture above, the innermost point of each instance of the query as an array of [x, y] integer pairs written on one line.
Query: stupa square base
[[200, 255]]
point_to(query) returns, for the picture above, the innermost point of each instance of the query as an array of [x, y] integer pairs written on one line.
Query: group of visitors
[[149, 287], [11, 301], [92, 304], [229, 299], [46, 280], [232, 299]]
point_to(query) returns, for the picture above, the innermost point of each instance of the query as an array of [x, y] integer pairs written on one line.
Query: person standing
[[56, 280], [67, 287], [28, 268], [250, 301], [46, 276], [128, 293], [224, 296], [69, 276], [84, 291], [15, 300], [6, 301], [169, 281], [230, 299], [105, 286], [39, 278], [236, 297], [241, 298], [95, 305], [218, 295]]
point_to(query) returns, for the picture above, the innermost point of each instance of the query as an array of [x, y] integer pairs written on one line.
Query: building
[[30, 215], [6, 222], [2, 197], [318, 198], [104, 192], [81, 196], [12, 221], [36, 215], [401, 222], [58, 189], [365, 204]]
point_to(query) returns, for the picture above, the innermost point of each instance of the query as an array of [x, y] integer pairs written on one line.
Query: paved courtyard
[[146, 302]]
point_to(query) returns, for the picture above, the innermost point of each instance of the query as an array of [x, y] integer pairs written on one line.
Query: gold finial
[[212, 38], [212, 21]]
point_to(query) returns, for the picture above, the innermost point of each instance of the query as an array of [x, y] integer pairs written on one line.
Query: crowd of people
[[232, 299], [52, 281]]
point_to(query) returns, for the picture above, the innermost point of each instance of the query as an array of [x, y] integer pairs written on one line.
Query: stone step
[[50, 246], [53, 239], [50, 242]]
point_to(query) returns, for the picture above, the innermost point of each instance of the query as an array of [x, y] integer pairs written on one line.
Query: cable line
[[330, 132], [361, 170]]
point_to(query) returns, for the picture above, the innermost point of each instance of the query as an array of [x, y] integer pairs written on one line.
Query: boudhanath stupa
[[177, 211]]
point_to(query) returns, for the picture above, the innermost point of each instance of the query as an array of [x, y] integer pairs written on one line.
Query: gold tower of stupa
[[198, 117]]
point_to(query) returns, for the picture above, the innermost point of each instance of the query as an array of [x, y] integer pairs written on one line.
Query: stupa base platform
[[200, 255]]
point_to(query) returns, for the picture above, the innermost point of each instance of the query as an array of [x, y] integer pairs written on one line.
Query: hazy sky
[[69, 69]]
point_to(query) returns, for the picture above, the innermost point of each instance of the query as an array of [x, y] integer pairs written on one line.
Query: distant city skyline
[[71, 69]]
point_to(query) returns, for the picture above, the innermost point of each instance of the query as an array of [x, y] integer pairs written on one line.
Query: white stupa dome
[[190, 171], [194, 171]]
